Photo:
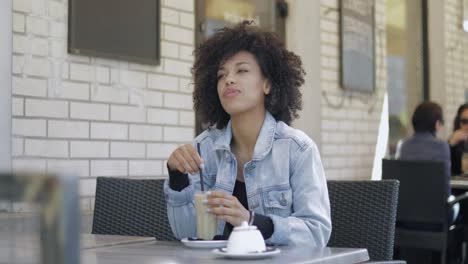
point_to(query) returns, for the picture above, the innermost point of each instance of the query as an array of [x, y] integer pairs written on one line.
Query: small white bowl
[[245, 239]]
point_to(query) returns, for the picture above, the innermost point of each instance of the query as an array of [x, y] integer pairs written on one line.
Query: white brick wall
[[92, 116], [187, 118], [168, 49], [29, 127], [162, 116], [178, 134], [186, 52], [127, 150], [17, 147], [161, 82], [145, 167], [18, 23], [178, 34], [187, 20], [69, 167], [109, 131], [68, 129], [169, 16], [89, 111], [89, 149], [128, 114], [38, 165], [186, 85], [46, 148], [109, 94], [29, 86], [456, 70], [185, 5], [46, 108], [71, 90], [147, 98], [133, 78], [178, 101], [20, 44], [37, 26], [17, 107], [109, 168], [87, 188], [39, 67], [145, 133], [22, 5], [177, 67], [158, 151]]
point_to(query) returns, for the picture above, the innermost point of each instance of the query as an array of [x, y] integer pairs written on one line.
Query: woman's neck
[[245, 130]]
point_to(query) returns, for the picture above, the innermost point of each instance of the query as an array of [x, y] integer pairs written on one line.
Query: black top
[[456, 153], [178, 181]]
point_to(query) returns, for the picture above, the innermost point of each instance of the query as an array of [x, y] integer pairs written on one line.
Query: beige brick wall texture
[[98, 117], [456, 60], [350, 120]]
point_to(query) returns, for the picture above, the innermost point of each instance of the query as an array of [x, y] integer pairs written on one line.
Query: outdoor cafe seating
[[131, 207], [423, 210]]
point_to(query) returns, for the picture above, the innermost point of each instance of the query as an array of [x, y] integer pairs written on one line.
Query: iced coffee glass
[[207, 225]]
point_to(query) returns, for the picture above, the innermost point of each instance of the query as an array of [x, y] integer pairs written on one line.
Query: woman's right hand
[[457, 136], [185, 159]]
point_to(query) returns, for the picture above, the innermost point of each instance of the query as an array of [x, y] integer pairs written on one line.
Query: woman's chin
[[232, 109]]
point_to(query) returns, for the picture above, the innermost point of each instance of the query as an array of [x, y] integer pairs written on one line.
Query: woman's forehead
[[241, 57], [464, 114]]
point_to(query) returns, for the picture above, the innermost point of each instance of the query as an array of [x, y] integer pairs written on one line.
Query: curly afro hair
[[281, 67]]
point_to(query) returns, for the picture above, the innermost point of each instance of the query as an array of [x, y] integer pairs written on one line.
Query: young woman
[[254, 164], [458, 138]]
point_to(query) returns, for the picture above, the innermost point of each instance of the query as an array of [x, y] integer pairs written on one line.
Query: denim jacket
[[284, 180]]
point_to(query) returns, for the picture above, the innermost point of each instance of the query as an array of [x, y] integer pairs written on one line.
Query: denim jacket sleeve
[[310, 223], [181, 207]]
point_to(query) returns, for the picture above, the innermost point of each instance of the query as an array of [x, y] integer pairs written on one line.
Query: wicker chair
[[363, 215], [131, 207], [423, 210]]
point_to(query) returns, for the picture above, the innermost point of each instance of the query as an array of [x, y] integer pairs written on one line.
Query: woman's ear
[[266, 87]]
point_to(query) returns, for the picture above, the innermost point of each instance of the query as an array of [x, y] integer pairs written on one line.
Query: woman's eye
[[242, 70], [220, 76]]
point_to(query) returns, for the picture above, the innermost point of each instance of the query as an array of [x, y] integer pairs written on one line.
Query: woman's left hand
[[226, 207]]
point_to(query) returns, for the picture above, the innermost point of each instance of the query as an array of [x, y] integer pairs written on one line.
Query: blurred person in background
[[458, 138], [424, 145]]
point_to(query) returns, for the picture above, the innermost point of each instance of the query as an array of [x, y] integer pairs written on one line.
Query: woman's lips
[[231, 92]]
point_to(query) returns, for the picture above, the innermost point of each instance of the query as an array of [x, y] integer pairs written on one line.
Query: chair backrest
[[363, 216], [423, 191], [132, 207]]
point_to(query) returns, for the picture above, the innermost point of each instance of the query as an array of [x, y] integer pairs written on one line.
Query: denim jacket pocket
[[278, 202]]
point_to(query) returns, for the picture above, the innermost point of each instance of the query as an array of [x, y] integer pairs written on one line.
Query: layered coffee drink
[[207, 225]]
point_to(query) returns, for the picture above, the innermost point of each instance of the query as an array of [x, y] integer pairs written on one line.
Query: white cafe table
[[25, 247], [459, 182], [105, 249], [175, 252]]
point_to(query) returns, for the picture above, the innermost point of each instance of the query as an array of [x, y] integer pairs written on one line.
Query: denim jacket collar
[[264, 140]]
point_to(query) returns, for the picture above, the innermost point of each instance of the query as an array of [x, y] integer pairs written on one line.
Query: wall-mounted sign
[[118, 29], [357, 45]]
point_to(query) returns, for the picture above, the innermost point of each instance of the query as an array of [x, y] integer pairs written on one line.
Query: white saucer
[[222, 252], [204, 243]]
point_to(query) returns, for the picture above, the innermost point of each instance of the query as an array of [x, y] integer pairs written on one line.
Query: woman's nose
[[230, 79]]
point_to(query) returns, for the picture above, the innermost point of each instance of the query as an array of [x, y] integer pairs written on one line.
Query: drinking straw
[[201, 171]]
